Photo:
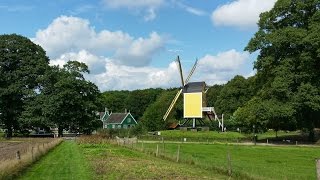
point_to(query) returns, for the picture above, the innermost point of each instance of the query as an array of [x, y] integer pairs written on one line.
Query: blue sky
[[132, 44]]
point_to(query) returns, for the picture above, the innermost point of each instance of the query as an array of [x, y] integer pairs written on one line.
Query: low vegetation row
[[19, 153]]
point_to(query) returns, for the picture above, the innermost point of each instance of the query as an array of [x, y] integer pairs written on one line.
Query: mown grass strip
[[28, 154], [115, 162], [64, 162]]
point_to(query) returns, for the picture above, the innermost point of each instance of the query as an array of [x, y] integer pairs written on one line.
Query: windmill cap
[[194, 87]]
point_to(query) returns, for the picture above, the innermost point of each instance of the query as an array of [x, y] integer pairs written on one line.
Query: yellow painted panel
[[192, 103]]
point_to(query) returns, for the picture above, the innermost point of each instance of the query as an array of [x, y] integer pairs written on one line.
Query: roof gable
[[116, 118]]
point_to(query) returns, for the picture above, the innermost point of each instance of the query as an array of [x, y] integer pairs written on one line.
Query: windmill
[[194, 100]]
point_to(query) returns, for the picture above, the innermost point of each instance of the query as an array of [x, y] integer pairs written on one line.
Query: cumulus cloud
[[127, 77], [224, 61], [72, 34], [109, 75], [217, 69], [95, 64], [241, 13], [149, 7], [140, 51]]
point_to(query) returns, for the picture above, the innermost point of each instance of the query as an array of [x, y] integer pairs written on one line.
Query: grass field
[[65, 162], [113, 162], [258, 162], [106, 161]]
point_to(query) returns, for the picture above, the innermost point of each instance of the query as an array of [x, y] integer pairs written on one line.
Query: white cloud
[[95, 64], [125, 77], [224, 61], [149, 7], [241, 13], [252, 73], [108, 75], [190, 9], [72, 34], [217, 69], [140, 50]]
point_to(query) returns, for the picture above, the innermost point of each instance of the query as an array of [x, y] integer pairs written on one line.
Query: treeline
[[36, 95]]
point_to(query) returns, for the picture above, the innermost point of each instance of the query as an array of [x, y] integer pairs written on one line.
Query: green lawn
[[114, 162], [66, 161], [262, 162]]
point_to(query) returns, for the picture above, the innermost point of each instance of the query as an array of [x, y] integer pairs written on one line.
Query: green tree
[[115, 100], [213, 94], [22, 66], [138, 101], [233, 95], [152, 117], [69, 100], [288, 41]]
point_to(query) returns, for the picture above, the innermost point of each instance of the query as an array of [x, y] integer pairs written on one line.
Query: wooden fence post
[[157, 152], [178, 153], [142, 145], [32, 153], [18, 155], [163, 147], [229, 164], [318, 168]]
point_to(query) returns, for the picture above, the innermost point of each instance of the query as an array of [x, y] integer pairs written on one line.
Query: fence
[[224, 158], [22, 157]]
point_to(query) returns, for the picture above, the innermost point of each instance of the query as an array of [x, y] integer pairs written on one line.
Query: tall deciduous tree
[[69, 100], [288, 64], [22, 66], [233, 95]]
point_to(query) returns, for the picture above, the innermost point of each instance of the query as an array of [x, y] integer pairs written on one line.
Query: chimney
[[125, 110], [106, 111]]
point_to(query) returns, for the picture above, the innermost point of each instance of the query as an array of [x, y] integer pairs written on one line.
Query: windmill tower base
[[193, 125]]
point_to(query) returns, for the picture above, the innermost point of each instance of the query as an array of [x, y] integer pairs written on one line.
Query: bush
[[137, 130]]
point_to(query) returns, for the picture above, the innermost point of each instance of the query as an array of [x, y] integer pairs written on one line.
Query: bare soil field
[[9, 148], [16, 154]]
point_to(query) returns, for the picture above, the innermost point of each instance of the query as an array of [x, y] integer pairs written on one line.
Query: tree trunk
[[9, 132], [60, 131], [311, 132], [311, 135]]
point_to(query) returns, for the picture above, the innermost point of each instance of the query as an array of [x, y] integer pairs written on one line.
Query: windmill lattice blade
[[172, 105], [180, 70], [191, 72]]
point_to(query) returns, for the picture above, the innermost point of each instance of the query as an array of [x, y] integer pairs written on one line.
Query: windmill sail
[[180, 70], [172, 105], [191, 72]]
